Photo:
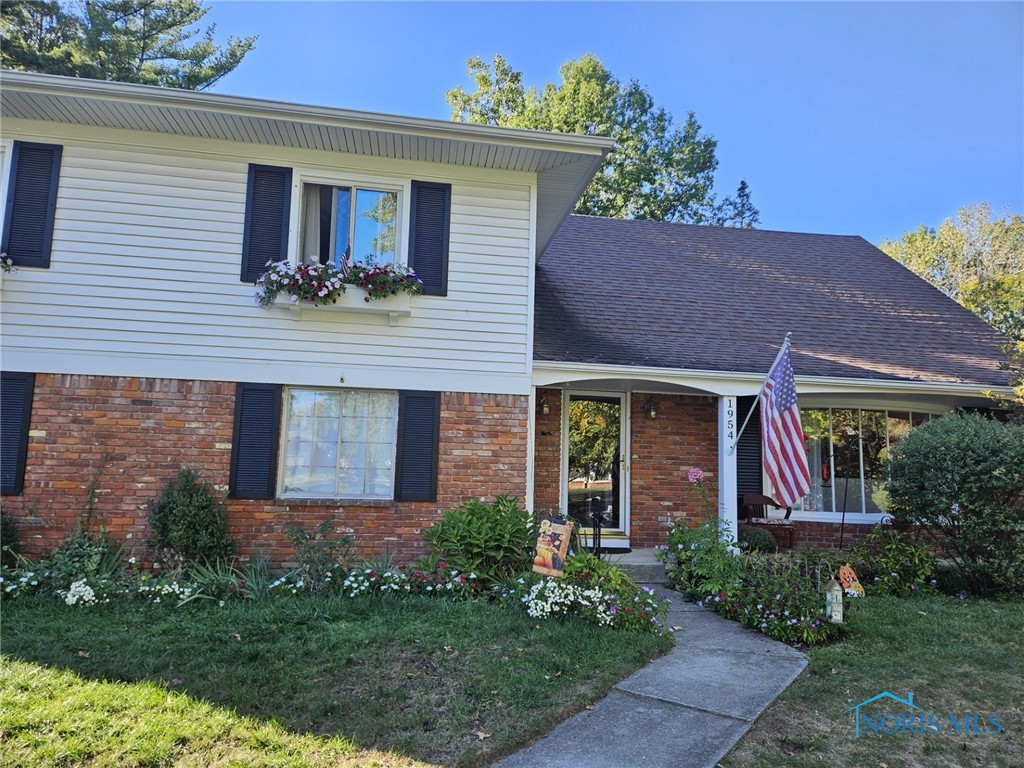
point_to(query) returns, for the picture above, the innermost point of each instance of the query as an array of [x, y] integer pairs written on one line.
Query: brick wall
[[684, 435], [548, 452], [132, 435], [812, 534]]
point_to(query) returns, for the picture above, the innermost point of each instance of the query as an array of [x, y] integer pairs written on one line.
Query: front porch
[[652, 434]]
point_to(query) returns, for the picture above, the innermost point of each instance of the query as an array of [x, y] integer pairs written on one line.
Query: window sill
[[328, 502], [852, 518], [353, 300]]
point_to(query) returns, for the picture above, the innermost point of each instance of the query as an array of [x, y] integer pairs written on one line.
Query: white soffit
[[564, 164]]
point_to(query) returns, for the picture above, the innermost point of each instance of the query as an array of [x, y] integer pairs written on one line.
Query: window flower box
[[352, 300], [359, 287]]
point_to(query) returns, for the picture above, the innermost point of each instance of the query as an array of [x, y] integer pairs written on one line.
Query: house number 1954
[[730, 417]]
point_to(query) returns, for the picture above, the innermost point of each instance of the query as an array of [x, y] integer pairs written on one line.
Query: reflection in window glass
[[846, 460], [340, 444], [348, 223], [816, 430], [874, 449], [847, 454], [899, 426], [375, 221]]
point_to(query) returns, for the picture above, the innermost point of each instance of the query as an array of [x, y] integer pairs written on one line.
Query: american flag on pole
[[782, 437]]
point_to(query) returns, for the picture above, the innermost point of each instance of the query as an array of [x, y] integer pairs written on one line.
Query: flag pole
[[785, 344]]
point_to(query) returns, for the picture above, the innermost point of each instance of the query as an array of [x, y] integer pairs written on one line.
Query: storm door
[[595, 464]]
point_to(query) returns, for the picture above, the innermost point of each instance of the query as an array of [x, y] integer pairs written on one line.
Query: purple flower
[[695, 475]]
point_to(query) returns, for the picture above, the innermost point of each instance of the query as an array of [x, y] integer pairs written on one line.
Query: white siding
[[144, 281]]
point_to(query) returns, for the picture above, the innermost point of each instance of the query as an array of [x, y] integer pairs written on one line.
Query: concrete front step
[[641, 565]]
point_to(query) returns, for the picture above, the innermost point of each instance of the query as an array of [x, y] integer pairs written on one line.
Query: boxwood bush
[[961, 478]]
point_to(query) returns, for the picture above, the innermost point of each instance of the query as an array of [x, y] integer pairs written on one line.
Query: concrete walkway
[[684, 710]]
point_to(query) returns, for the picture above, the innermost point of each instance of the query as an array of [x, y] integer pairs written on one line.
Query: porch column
[[728, 425]]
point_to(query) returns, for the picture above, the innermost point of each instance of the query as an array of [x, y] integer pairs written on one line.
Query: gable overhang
[[564, 164]]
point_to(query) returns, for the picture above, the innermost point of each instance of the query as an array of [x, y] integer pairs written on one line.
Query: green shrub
[[756, 539], [699, 561], [889, 564], [190, 522], [323, 556], [9, 544], [492, 541], [961, 478]]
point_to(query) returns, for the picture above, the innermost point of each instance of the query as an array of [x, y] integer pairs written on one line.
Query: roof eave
[[563, 163]]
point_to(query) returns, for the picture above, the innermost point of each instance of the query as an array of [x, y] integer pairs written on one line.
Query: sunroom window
[[348, 223], [847, 450], [339, 444]]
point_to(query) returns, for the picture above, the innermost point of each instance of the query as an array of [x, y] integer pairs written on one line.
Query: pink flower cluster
[[695, 476]]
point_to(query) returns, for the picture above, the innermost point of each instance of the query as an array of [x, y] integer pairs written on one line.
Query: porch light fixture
[[651, 409], [543, 406]]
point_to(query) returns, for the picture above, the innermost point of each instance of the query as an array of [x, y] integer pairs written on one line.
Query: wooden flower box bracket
[[352, 300]]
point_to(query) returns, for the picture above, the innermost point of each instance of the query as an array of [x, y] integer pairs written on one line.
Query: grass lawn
[[307, 681], [959, 656]]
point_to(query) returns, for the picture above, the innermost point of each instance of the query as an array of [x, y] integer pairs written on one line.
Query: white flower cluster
[[367, 580], [23, 583], [79, 593], [325, 278], [554, 597], [172, 589]]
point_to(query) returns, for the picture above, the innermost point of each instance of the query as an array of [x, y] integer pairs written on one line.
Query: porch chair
[[755, 510], [755, 505]]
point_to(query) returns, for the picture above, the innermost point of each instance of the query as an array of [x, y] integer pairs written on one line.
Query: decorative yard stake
[[834, 601]]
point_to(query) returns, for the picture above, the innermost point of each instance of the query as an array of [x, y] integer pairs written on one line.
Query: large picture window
[[339, 444], [348, 224], [847, 450]]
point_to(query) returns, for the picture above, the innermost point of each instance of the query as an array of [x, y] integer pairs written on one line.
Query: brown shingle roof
[[667, 295]]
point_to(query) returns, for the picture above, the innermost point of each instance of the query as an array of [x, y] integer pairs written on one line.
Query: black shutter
[[254, 445], [267, 209], [748, 450], [15, 415], [419, 424], [428, 243], [31, 203]]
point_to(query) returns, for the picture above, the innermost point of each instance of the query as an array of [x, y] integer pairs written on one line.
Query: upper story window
[[348, 223], [408, 222]]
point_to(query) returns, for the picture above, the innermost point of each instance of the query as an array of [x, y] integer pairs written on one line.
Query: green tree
[[154, 42], [657, 170], [974, 258], [593, 438]]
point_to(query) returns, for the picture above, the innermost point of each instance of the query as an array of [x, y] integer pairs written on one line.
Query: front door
[[595, 466]]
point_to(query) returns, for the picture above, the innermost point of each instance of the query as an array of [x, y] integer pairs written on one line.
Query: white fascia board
[[130, 93], [546, 373], [290, 374]]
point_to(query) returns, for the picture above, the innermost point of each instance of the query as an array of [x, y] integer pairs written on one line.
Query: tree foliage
[[153, 42], [593, 438], [657, 170], [974, 258]]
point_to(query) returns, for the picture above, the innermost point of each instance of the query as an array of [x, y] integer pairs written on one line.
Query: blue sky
[[844, 118]]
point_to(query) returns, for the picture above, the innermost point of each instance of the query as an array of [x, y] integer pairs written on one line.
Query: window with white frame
[[339, 444], [847, 450], [348, 223]]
